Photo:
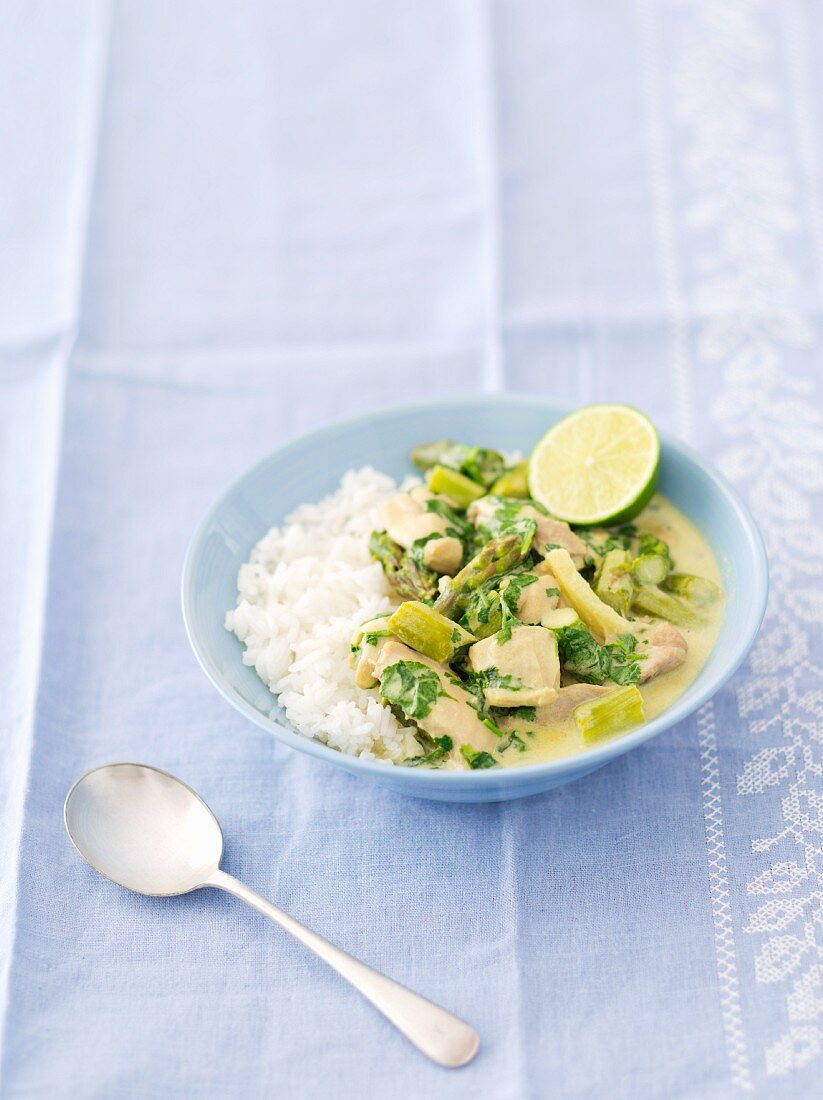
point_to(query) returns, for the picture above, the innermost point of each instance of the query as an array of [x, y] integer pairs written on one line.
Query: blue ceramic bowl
[[311, 467]]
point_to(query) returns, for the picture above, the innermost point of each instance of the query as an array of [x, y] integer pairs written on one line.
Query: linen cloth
[[224, 224]]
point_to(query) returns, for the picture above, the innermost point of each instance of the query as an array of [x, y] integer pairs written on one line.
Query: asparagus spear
[[429, 454], [651, 544], [402, 571], [429, 632], [496, 557], [654, 601], [452, 483], [481, 465], [653, 562], [650, 569], [698, 591], [613, 583], [596, 614], [612, 713], [513, 483]]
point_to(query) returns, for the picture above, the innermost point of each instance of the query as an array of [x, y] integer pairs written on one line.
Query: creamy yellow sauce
[[691, 554]]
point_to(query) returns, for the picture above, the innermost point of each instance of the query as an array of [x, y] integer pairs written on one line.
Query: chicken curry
[[521, 638]]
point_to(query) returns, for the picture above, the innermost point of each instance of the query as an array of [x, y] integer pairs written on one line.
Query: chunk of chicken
[[363, 662], [536, 599], [568, 698], [526, 667], [665, 649], [406, 520], [550, 532], [554, 532], [452, 714], [444, 556]]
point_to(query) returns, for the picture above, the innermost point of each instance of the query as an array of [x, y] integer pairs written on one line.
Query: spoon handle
[[443, 1037]]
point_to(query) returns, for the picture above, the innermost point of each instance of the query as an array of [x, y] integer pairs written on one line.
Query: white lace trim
[[742, 215]]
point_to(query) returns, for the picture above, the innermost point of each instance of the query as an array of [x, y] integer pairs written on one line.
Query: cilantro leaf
[[458, 526], [477, 759], [525, 714], [581, 655], [442, 746], [509, 599], [412, 686], [492, 678]]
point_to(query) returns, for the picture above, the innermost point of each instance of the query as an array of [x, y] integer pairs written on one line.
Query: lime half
[[598, 465]]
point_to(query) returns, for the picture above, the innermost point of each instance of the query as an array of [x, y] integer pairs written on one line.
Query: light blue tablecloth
[[223, 224]]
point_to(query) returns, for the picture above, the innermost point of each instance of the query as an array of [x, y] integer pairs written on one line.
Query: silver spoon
[[147, 831]]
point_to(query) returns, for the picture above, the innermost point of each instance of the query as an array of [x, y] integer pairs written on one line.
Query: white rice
[[305, 588]]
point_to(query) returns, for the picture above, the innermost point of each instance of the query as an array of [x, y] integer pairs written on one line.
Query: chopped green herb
[[507, 513], [581, 655], [482, 615], [509, 599], [512, 740], [478, 463], [458, 527], [416, 552], [412, 686], [621, 539], [477, 759], [442, 746], [492, 678], [525, 714]]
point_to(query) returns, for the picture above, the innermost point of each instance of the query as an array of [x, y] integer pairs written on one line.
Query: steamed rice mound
[[306, 587]]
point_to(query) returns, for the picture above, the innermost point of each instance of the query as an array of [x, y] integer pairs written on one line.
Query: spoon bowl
[[143, 829]]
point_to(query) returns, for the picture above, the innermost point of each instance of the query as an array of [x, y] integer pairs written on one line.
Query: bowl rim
[[681, 708]]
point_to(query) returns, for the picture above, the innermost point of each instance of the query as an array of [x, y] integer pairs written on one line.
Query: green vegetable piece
[[498, 515], [583, 657], [412, 687], [442, 747], [430, 454], [651, 600], [523, 714], [512, 740], [481, 465], [602, 539], [482, 614], [510, 592], [494, 678], [650, 569], [403, 572], [596, 614], [429, 632], [698, 591], [477, 759], [451, 483], [650, 544], [514, 482], [458, 526], [613, 583], [490, 724], [559, 617], [498, 556], [613, 713]]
